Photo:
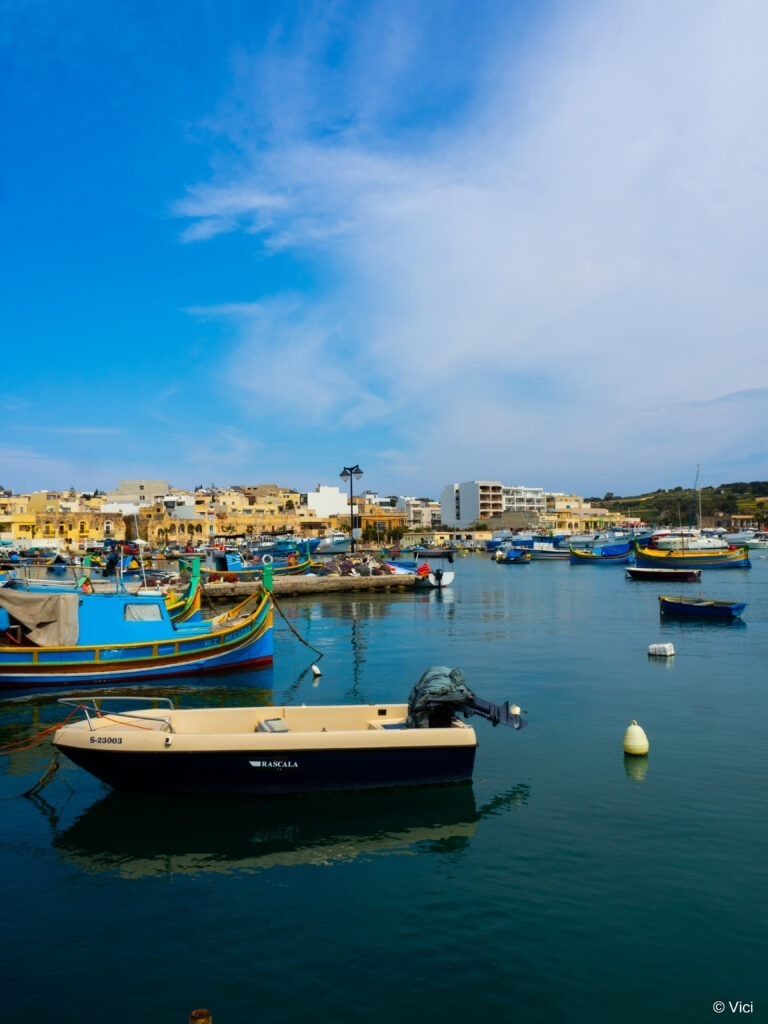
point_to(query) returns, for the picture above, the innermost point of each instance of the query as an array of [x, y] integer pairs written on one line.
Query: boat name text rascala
[[274, 764]]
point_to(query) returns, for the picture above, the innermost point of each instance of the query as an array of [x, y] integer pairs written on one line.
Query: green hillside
[[680, 505]]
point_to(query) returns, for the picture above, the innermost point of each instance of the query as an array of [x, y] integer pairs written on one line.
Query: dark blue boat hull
[[288, 772]]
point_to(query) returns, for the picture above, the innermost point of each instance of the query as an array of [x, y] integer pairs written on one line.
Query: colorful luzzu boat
[[729, 558], [68, 638], [184, 605], [603, 554], [227, 565]]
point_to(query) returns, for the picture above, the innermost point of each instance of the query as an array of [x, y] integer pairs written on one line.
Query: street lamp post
[[351, 473]]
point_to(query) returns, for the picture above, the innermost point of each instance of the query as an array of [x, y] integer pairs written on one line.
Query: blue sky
[[256, 242]]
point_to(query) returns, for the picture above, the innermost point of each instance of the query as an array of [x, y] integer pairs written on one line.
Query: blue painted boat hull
[[701, 609], [189, 649], [586, 557]]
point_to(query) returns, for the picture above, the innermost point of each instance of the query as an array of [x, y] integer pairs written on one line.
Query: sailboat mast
[[698, 488]]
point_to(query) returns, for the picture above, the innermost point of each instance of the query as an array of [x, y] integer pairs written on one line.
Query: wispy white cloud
[[533, 284]]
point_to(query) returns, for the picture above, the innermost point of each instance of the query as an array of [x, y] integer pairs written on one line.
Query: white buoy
[[316, 671], [635, 740], [661, 650]]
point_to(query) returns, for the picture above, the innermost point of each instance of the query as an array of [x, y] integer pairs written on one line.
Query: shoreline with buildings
[[168, 517]]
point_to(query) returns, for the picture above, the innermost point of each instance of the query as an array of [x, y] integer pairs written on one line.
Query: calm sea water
[[567, 883]]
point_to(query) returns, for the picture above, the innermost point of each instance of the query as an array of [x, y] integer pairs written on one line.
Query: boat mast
[[698, 488]]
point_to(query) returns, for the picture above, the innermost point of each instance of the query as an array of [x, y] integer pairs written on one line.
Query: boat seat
[[272, 725]]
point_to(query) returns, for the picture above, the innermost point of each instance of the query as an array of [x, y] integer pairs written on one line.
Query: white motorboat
[[273, 751]]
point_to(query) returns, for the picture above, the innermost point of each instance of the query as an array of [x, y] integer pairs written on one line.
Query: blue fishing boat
[[700, 608], [602, 554], [67, 639], [228, 564], [183, 602], [513, 556]]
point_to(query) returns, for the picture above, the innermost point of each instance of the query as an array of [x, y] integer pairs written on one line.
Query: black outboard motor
[[442, 693]]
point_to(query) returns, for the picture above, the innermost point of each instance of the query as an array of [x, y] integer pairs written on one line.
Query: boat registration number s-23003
[[106, 739]]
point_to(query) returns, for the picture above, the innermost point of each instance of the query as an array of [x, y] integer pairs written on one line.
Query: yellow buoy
[[635, 740]]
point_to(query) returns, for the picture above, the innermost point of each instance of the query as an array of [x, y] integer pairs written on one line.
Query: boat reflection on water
[[135, 836], [693, 624]]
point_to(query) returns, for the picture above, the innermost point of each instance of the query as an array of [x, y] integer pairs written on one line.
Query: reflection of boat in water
[[133, 836]]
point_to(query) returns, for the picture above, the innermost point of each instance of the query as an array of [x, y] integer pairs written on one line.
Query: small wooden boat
[[606, 554], [730, 558], [64, 638], [661, 575], [276, 751], [513, 556], [547, 551], [424, 552], [427, 577], [334, 542], [227, 564], [701, 608]]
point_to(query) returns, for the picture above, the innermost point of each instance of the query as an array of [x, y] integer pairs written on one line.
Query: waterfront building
[[467, 503], [569, 513], [137, 492], [478, 500], [421, 513]]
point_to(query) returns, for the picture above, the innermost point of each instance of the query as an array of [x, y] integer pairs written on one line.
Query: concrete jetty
[[298, 586]]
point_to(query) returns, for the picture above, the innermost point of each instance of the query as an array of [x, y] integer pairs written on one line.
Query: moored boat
[[657, 575], [63, 638], [606, 554], [688, 540], [513, 556], [183, 600], [274, 751], [548, 551], [427, 577], [736, 558], [334, 542], [222, 563], [700, 608]]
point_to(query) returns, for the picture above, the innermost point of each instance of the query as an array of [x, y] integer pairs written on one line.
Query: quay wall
[[297, 586]]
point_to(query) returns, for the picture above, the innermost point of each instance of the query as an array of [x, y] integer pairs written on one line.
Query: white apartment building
[[532, 500], [327, 501], [464, 504], [470, 502]]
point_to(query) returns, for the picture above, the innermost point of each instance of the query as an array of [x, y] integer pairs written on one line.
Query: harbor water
[[568, 883]]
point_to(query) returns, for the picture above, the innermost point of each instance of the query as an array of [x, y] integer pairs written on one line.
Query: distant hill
[[681, 504]]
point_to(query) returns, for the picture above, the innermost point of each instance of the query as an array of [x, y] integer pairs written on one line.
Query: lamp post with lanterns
[[351, 473]]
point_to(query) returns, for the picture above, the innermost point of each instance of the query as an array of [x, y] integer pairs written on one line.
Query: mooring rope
[[44, 779], [292, 628]]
